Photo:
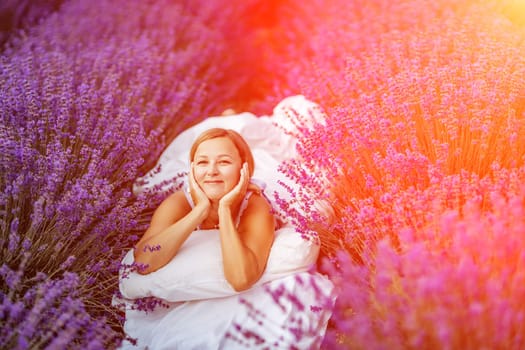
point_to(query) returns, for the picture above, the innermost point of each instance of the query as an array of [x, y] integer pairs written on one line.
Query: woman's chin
[[215, 195]]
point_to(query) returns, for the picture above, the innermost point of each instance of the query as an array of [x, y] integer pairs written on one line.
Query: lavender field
[[420, 159]]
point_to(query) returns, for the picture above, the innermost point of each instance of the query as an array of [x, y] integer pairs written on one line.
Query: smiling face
[[217, 165]]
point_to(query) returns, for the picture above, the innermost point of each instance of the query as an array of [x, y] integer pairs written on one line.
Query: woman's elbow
[[144, 270], [142, 264], [241, 286]]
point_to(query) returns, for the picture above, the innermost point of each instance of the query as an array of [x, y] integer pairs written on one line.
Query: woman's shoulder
[[176, 199], [256, 215], [176, 196], [257, 201]]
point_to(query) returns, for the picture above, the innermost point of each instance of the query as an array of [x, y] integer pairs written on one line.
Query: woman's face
[[216, 166]]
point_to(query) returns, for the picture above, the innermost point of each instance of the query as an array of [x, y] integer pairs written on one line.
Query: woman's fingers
[[195, 189], [193, 183], [237, 193], [245, 178]]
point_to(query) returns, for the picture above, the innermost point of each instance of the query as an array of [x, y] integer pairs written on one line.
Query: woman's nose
[[212, 168]]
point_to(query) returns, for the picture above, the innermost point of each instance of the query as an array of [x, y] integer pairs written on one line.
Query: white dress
[[288, 308]]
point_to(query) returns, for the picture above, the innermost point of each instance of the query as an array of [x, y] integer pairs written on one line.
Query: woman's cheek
[[199, 175], [235, 175]]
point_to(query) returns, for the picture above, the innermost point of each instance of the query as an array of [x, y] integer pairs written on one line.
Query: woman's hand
[[198, 195], [233, 198]]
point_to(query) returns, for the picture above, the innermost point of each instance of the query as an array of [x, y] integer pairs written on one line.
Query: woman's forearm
[[239, 262], [158, 249]]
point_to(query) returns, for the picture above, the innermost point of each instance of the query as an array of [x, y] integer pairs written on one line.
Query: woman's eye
[[201, 162], [224, 162]]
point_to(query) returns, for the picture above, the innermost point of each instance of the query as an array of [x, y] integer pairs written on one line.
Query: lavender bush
[[89, 97], [261, 35], [423, 155], [19, 14]]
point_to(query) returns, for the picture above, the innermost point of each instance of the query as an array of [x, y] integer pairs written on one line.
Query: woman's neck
[[212, 221]]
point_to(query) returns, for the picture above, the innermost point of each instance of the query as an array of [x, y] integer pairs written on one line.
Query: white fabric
[[205, 312], [280, 315], [196, 272]]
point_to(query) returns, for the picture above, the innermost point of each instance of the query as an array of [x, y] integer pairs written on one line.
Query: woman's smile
[[213, 182]]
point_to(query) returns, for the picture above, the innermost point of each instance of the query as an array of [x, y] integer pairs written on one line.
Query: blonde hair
[[239, 142]]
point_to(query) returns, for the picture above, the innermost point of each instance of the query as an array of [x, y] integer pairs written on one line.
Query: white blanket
[[197, 273], [289, 306], [291, 311]]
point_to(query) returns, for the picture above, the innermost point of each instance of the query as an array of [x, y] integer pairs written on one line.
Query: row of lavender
[[89, 97], [422, 149], [423, 155]]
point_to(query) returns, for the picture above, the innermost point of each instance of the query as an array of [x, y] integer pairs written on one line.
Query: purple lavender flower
[[420, 154], [89, 98]]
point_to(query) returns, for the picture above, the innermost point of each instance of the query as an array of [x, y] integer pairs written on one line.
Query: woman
[[226, 275], [219, 196]]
